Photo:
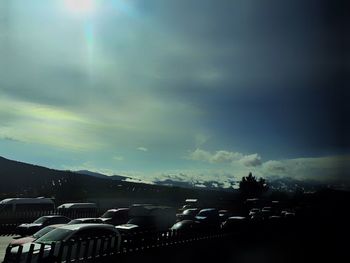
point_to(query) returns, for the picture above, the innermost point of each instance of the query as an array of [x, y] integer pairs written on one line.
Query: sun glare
[[80, 6]]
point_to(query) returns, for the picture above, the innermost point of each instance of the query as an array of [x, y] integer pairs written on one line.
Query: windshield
[[43, 231], [75, 221], [189, 212], [178, 225], [108, 214], [54, 236], [141, 221], [40, 220], [208, 212]]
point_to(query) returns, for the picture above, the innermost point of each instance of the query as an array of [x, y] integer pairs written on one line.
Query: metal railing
[[105, 247]]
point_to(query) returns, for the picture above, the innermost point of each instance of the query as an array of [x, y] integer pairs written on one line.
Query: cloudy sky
[[189, 89]]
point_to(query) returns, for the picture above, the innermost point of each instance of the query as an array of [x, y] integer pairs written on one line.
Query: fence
[[106, 248]]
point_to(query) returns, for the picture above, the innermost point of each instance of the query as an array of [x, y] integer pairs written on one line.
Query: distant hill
[[288, 184], [21, 179], [99, 175]]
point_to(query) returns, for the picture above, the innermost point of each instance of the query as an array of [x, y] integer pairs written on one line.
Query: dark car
[[209, 216], [187, 226], [28, 239], [86, 221], [139, 224], [224, 214], [235, 224], [41, 222], [67, 233], [188, 214], [115, 216]]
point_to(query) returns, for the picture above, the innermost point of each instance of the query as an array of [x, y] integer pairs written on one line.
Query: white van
[[78, 207], [26, 204]]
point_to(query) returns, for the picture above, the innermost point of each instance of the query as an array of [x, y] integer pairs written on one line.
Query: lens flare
[[80, 6]]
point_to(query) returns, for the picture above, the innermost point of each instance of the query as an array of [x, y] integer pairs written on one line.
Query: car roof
[[37, 200], [87, 226], [56, 225], [191, 209], [86, 218], [187, 222], [208, 209], [237, 218], [117, 209], [54, 216], [78, 205]]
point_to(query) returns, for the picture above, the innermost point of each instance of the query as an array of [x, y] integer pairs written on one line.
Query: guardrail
[[106, 247]]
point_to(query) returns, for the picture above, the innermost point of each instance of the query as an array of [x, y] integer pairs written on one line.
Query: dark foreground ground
[[319, 233], [277, 247]]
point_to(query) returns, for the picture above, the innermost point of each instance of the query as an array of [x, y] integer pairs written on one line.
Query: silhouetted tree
[[249, 186]]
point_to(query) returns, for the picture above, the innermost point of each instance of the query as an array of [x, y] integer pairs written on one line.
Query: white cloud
[[201, 139], [274, 166], [224, 156], [118, 158], [142, 149], [198, 177], [326, 168], [251, 160], [200, 155]]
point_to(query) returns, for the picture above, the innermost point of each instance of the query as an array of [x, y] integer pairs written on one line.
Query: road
[[4, 241]]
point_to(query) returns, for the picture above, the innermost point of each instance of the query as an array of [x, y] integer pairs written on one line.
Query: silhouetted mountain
[[288, 184], [27, 180], [99, 175], [212, 185]]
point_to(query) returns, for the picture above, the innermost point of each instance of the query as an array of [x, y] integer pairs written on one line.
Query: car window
[[60, 220], [58, 234], [40, 220], [75, 221], [43, 231]]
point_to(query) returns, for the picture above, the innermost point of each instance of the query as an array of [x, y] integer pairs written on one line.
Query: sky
[[189, 90]]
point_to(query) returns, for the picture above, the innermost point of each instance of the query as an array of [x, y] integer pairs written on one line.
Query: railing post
[[94, 247], [7, 253], [19, 254], [41, 252], [109, 245], [30, 253], [77, 254], [69, 252], [60, 251], [102, 244], [52, 250], [86, 251]]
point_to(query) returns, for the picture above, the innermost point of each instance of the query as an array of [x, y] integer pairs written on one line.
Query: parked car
[[254, 211], [266, 212], [235, 223], [187, 226], [137, 224], [190, 203], [224, 214], [69, 233], [26, 204], [85, 221], [36, 235], [41, 222], [153, 216], [116, 216], [209, 216], [80, 208], [187, 214]]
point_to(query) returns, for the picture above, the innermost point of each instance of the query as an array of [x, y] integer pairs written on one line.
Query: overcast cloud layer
[[194, 89]]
